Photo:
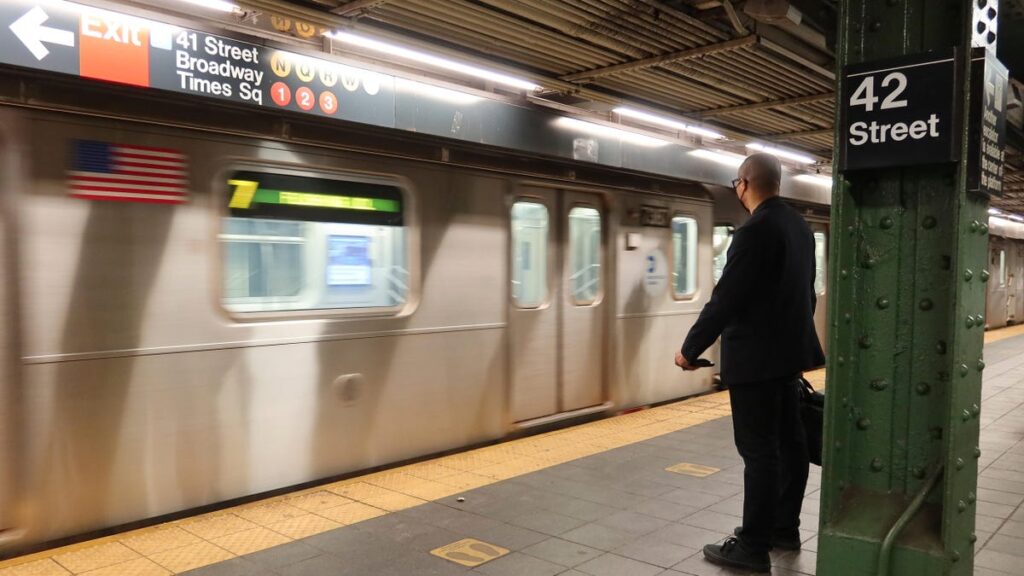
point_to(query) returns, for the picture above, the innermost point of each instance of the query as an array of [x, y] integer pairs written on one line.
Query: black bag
[[812, 412]]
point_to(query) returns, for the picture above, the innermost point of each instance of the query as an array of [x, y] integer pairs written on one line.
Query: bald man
[[763, 308]]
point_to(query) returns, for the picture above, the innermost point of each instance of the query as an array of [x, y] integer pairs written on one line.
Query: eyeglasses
[[736, 182]]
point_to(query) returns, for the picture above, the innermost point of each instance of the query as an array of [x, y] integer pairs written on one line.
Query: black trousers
[[770, 439]]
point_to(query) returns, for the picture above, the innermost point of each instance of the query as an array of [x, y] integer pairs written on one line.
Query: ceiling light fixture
[[666, 122], [220, 5], [431, 60], [794, 156], [608, 131], [724, 158]]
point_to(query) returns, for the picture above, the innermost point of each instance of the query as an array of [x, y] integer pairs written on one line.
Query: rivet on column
[[864, 423], [885, 223], [959, 463], [865, 341], [882, 303], [940, 347], [981, 364], [985, 275], [876, 464], [929, 222], [968, 274], [964, 370], [923, 388], [925, 304], [879, 384]]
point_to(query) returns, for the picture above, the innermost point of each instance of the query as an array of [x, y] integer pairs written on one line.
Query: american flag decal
[[124, 173]]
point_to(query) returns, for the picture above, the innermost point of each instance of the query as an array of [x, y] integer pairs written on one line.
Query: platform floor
[[637, 494]]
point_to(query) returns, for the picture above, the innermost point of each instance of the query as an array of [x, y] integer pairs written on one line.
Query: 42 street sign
[[899, 112]]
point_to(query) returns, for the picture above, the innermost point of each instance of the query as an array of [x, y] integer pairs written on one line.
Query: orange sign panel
[[114, 49]]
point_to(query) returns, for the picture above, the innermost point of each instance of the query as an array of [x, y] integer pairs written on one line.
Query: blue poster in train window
[[348, 260]]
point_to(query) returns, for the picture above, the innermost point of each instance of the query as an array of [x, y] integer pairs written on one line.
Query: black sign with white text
[[986, 142], [899, 112]]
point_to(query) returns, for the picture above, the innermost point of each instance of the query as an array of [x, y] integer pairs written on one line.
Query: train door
[[820, 232], [557, 321]]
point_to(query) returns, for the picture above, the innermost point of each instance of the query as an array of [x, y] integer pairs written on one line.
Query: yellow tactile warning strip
[[469, 552], [691, 469], [1003, 333], [202, 540]]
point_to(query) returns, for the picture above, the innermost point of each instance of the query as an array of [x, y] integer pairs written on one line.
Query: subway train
[[287, 306]]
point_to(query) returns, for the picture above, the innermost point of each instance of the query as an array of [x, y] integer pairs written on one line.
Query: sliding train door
[[557, 326]]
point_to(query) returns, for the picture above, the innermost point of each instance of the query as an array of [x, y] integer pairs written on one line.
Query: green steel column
[[906, 331]]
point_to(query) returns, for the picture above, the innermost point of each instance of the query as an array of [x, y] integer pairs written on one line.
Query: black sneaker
[[779, 542], [731, 553]]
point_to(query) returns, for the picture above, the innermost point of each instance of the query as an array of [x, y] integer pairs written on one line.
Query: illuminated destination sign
[[69, 38], [302, 198], [248, 193]]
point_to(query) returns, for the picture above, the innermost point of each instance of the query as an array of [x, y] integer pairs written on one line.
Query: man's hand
[[683, 363]]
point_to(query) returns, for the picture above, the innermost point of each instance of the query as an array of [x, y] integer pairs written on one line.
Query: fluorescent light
[[724, 158], [608, 131], [667, 122], [431, 60], [437, 92], [994, 211], [704, 132], [794, 156], [814, 179], [214, 5]]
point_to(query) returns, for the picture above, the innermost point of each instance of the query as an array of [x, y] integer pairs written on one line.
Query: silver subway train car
[[290, 312]]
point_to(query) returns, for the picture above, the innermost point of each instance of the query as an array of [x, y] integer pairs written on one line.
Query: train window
[[529, 254], [820, 247], [721, 239], [684, 248], [584, 255], [1002, 268], [303, 243]]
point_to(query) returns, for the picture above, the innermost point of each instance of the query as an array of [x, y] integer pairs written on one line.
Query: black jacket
[[763, 306]]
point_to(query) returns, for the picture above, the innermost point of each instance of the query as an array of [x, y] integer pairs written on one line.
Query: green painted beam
[[906, 331]]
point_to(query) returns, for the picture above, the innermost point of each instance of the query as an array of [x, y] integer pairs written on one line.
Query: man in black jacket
[[763, 308]]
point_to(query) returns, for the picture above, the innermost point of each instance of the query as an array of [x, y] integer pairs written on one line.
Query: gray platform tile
[[691, 497], [412, 534], [608, 497], [1001, 485], [233, 567], [988, 523], [599, 536], [583, 509], [803, 562], [572, 573], [459, 521], [562, 552], [511, 537], [1000, 474], [519, 564], [810, 541], [401, 563], [995, 510], [696, 565], [657, 552], [643, 487], [1012, 528], [349, 542], [633, 522], [716, 521], [689, 536], [665, 509], [283, 555], [321, 565], [998, 561], [547, 522], [734, 506], [615, 565], [1006, 545]]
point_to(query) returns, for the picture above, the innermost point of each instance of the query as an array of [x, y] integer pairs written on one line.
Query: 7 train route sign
[[898, 112], [71, 38]]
